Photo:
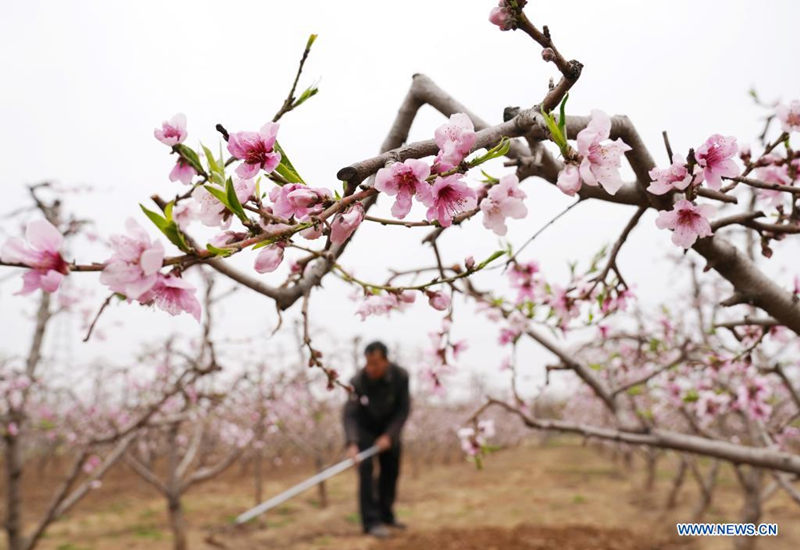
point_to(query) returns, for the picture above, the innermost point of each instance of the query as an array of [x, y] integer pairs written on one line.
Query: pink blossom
[[212, 212], [182, 172], [404, 180], [438, 300], [778, 175], [313, 232], [133, 268], [91, 464], [298, 200], [503, 15], [674, 177], [256, 149], [710, 405], [600, 163], [383, 304], [469, 441], [569, 180], [503, 200], [486, 428], [687, 221], [789, 115], [715, 157], [185, 212], [752, 397], [172, 131], [173, 295], [455, 140], [507, 336], [522, 279], [40, 253], [459, 348], [346, 223], [563, 305], [269, 258], [517, 324], [12, 429], [221, 240], [618, 302], [450, 196]]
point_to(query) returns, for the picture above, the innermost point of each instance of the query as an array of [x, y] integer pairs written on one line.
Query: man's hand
[[352, 452], [384, 443]]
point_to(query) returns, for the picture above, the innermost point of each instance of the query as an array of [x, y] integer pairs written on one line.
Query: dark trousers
[[376, 497]]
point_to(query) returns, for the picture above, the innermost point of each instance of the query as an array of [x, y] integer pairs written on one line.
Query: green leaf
[[307, 94], [224, 252], [233, 201], [562, 117], [635, 390], [490, 259], [167, 226], [499, 150], [286, 168], [310, 42], [157, 219], [216, 166], [555, 131], [488, 178], [691, 396], [188, 154], [220, 195]]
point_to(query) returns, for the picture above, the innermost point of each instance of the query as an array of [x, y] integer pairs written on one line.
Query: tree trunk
[[258, 474], [13, 466], [677, 483], [707, 487], [177, 522], [651, 463], [322, 490], [751, 507]]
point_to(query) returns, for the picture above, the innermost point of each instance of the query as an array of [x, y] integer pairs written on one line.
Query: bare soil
[[561, 496]]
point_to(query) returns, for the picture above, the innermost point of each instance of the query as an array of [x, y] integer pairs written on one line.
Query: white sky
[[85, 83]]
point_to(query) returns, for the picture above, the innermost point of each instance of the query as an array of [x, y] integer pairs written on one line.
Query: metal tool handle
[[307, 484]]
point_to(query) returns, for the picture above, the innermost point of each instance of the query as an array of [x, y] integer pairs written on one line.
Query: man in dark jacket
[[374, 415]]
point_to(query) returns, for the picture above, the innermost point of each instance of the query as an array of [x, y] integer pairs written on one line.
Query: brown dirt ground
[[563, 496]]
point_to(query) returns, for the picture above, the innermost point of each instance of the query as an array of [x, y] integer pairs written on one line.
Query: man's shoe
[[379, 532], [397, 525]]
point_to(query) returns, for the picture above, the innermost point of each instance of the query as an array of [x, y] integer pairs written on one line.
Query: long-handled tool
[[307, 484]]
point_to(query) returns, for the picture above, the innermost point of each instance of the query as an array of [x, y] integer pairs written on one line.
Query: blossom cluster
[[441, 187]]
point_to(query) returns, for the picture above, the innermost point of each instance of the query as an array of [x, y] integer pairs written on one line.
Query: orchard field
[[240, 243], [562, 494]]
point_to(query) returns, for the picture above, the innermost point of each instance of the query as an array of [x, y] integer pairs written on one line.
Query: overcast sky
[[85, 83]]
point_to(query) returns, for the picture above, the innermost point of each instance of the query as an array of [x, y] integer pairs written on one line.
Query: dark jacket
[[377, 407]]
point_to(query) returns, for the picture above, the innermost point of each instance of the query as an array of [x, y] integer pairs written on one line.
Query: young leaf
[[167, 226], [498, 150], [562, 117], [310, 42], [224, 252], [555, 131], [188, 154], [220, 195], [308, 93], [490, 259], [285, 168], [217, 167], [233, 201]]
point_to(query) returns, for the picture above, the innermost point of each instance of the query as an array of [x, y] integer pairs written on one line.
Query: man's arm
[[403, 409]]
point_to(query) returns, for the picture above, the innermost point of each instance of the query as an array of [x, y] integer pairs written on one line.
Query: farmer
[[374, 415]]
